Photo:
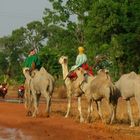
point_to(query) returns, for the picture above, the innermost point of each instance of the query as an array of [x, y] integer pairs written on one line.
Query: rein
[[81, 85], [69, 78], [65, 78]]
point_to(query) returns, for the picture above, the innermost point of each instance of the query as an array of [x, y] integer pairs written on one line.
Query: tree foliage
[[109, 27]]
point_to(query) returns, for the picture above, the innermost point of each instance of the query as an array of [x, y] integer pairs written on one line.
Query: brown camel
[[97, 88]]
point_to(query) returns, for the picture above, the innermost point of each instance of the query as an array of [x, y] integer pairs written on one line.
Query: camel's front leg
[[89, 110], [68, 106], [28, 103], [79, 108], [100, 111], [48, 103]]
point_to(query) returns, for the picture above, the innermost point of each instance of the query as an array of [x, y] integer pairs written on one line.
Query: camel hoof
[[29, 113], [47, 115], [132, 125], [81, 120], [34, 115], [114, 121], [66, 116], [89, 119], [105, 122]]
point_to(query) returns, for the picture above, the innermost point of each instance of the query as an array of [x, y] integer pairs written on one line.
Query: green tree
[[34, 34]]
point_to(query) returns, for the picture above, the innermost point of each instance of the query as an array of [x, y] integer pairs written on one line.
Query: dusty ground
[[14, 125]]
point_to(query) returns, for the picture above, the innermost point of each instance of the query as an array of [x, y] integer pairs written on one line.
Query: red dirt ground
[[15, 125]]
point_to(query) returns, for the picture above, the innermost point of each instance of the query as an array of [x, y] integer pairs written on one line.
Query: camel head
[[80, 71], [63, 60], [26, 73], [80, 74], [103, 71]]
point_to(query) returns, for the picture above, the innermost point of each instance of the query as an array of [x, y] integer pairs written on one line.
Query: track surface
[[14, 125]]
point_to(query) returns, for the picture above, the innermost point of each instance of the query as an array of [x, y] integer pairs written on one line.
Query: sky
[[17, 13]]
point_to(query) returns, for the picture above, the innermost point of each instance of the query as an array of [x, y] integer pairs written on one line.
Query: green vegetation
[[110, 27]]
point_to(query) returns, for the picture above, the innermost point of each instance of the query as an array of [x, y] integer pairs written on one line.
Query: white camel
[[71, 86], [97, 88], [129, 86], [40, 82]]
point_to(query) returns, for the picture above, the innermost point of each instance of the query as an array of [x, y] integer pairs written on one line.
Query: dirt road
[[14, 125]]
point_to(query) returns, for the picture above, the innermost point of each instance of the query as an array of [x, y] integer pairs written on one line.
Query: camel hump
[[43, 71], [132, 75]]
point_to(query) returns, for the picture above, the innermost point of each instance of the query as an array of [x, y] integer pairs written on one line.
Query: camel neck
[[27, 76], [65, 70], [85, 85]]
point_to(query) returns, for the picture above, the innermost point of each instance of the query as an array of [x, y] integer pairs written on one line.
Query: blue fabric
[[81, 59]]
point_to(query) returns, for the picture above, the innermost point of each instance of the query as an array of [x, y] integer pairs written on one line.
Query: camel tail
[[51, 86], [113, 96]]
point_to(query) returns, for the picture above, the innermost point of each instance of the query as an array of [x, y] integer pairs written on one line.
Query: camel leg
[[35, 105], [99, 110], [130, 113], [48, 103], [138, 103], [89, 110], [68, 106], [113, 113], [25, 102], [28, 104], [38, 98], [79, 108]]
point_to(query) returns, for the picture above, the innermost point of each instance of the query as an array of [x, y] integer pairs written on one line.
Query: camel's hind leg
[[130, 113], [79, 108], [113, 113], [38, 98], [138, 103], [48, 103], [68, 105], [99, 110], [89, 110], [35, 105]]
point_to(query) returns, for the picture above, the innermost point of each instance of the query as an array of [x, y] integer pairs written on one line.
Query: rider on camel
[[81, 61], [32, 62]]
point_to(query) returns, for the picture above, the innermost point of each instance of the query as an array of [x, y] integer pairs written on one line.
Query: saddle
[[72, 75]]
